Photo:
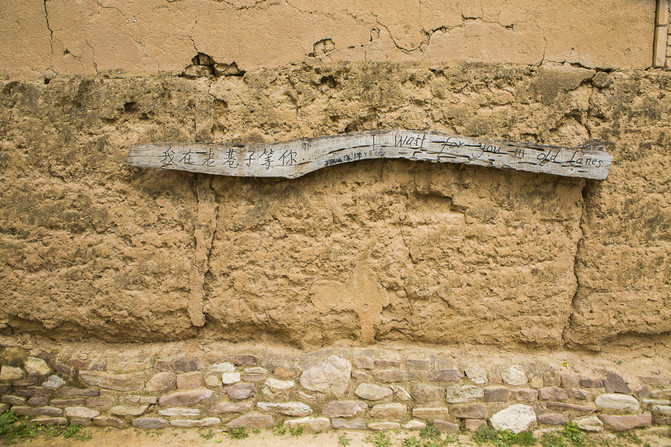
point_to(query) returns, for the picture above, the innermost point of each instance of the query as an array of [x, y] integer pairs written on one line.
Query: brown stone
[[349, 424], [241, 391], [627, 422], [569, 381], [497, 394], [394, 375], [151, 423], [125, 410], [162, 365], [445, 375], [80, 412], [614, 383], [185, 364], [552, 393], [99, 402], [252, 421], [69, 391], [524, 395], [588, 382], [474, 424], [470, 411], [232, 407], [78, 363], [162, 381], [185, 398], [429, 413], [34, 391], [188, 381], [551, 378], [418, 364], [422, 393], [563, 406], [76, 402], [116, 382], [655, 380], [579, 395], [24, 382], [363, 362], [344, 408], [38, 401], [108, 421], [389, 411], [386, 363], [50, 421], [445, 426], [13, 400], [245, 360], [553, 419], [283, 373], [63, 368]]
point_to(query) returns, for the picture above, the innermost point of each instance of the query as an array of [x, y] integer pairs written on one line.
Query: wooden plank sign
[[295, 158]]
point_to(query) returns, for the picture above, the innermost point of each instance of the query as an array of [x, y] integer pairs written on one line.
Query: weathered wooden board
[[295, 158]]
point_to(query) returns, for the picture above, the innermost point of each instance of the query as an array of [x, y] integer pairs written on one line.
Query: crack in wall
[[51, 31]]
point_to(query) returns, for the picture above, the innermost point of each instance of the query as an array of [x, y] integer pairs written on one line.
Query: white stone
[[80, 412], [617, 402], [37, 367], [414, 425], [514, 376], [230, 378], [400, 392], [287, 408], [309, 424], [461, 394], [275, 387], [591, 423], [332, 375], [515, 418], [189, 412], [53, 382], [370, 391], [222, 367], [477, 375], [10, 373]]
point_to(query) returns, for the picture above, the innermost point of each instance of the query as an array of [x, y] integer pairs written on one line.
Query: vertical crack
[[204, 234], [51, 31]]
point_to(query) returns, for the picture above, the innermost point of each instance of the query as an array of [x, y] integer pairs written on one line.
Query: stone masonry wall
[[374, 389]]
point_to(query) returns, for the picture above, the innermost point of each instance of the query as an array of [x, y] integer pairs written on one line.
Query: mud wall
[[368, 252]]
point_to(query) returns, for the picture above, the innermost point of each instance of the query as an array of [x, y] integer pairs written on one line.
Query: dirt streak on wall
[[354, 254]]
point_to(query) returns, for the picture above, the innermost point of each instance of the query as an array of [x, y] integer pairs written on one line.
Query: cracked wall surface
[[375, 251], [52, 37]]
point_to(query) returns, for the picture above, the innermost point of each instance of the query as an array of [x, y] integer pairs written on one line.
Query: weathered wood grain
[[295, 158]]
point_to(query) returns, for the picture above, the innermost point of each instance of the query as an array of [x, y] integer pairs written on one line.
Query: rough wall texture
[[365, 252], [355, 254]]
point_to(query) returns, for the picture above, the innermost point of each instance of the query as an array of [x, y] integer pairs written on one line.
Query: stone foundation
[[339, 388]]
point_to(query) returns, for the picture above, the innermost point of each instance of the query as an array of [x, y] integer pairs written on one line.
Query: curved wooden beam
[[295, 158]]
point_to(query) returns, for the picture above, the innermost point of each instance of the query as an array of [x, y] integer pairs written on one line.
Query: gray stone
[[617, 402], [664, 410], [591, 424], [190, 423], [515, 418], [10, 373], [551, 378], [447, 427], [524, 395], [614, 383], [53, 382], [588, 382], [108, 421], [497, 394], [182, 412], [569, 381], [626, 422], [276, 388], [414, 425], [81, 412], [162, 381], [553, 418], [150, 422], [363, 362], [514, 376], [38, 401], [116, 382], [36, 367], [230, 378], [99, 402], [287, 408], [394, 375], [418, 364], [344, 408], [50, 411], [426, 393], [384, 426], [87, 392], [309, 424], [563, 406], [387, 363], [462, 394], [123, 410], [76, 402], [429, 413], [233, 407], [245, 360], [389, 411], [50, 421], [224, 367], [656, 401], [21, 410], [579, 395], [472, 411], [241, 391], [445, 375], [185, 398], [370, 391], [13, 400], [332, 375], [400, 393], [252, 421], [185, 364], [349, 424], [552, 393], [477, 375]]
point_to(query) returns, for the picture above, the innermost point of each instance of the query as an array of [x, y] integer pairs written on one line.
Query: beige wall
[[140, 37]]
